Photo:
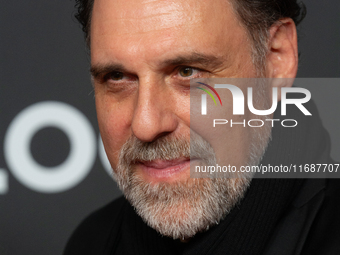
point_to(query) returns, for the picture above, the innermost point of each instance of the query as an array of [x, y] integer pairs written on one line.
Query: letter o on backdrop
[[82, 147]]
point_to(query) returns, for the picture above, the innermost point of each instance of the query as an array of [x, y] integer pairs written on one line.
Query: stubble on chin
[[182, 208]]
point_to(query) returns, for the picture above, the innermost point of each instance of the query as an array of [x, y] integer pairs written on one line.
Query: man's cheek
[[112, 145], [227, 133], [115, 131]]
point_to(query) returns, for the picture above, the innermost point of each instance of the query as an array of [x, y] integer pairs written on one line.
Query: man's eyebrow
[[98, 70], [210, 61]]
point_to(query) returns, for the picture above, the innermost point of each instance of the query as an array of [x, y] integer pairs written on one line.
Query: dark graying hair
[[256, 15]]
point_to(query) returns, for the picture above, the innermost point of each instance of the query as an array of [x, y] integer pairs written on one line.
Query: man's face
[[143, 55]]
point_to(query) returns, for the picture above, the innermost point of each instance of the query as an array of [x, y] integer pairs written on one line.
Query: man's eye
[[187, 71], [116, 76]]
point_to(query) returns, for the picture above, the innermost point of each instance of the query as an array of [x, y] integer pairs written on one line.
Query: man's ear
[[282, 58]]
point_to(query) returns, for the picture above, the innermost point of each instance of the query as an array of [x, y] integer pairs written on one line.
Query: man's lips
[[164, 168]]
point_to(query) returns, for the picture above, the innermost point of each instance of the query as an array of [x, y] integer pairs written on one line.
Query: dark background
[[44, 58]]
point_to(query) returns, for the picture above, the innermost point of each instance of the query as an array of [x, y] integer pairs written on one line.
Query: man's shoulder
[[324, 228], [311, 225], [324, 234], [94, 231], [333, 188]]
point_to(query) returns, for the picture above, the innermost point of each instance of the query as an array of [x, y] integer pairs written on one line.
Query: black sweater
[[276, 216]]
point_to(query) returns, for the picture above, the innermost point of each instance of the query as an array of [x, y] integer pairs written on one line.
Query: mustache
[[167, 147]]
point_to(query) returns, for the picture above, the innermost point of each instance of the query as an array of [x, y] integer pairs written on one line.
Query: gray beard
[[182, 209]]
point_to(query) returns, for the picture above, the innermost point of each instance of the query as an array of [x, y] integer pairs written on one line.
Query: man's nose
[[153, 114]]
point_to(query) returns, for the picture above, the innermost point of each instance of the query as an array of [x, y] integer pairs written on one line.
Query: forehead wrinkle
[[126, 41], [152, 16]]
